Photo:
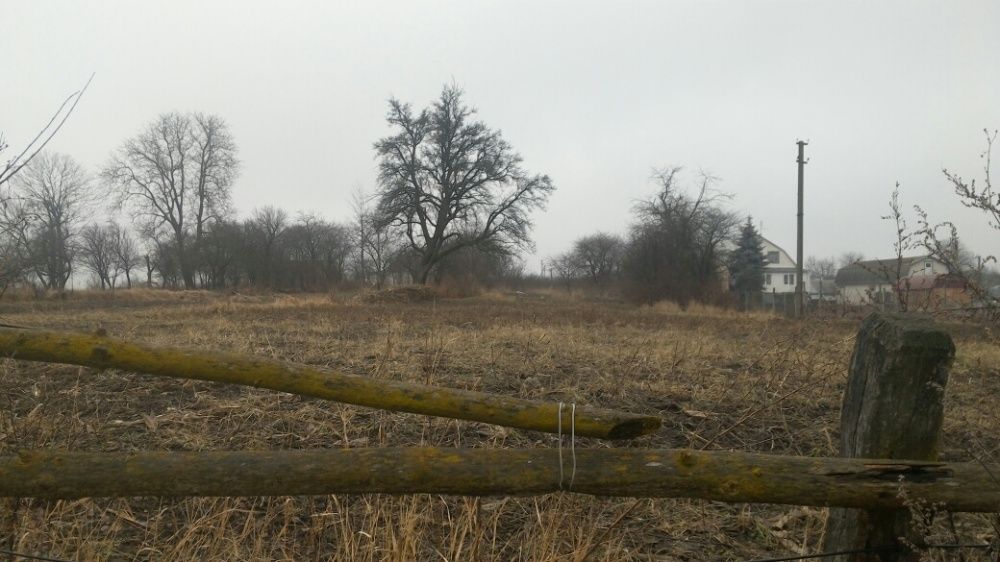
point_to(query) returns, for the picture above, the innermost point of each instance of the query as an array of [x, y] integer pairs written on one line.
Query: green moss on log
[[97, 351], [710, 475]]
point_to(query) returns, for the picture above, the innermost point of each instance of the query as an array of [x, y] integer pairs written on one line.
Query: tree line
[[452, 199], [677, 247]]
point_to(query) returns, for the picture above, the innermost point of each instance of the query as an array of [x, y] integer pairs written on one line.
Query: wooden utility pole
[[799, 283]]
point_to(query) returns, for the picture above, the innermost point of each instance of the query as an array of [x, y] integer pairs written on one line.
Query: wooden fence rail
[[92, 350], [712, 475]]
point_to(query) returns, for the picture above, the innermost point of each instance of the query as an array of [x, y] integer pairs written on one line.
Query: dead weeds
[[720, 380]]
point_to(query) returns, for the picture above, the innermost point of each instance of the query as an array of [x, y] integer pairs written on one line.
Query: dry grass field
[[719, 380]]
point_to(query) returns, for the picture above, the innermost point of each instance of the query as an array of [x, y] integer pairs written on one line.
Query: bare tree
[[15, 227], [565, 267], [97, 253], [315, 251], [981, 197], [12, 259], [375, 243], [947, 248], [849, 258], [126, 252], [598, 256], [450, 182], [266, 228], [177, 175], [895, 273], [223, 245], [676, 250], [823, 267], [56, 193]]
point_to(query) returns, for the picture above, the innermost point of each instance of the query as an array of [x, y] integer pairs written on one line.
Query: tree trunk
[[425, 272], [184, 261]]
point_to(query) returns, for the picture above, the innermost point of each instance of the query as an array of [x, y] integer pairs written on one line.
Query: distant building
[[875, 281], [780, 270], [936, 291]]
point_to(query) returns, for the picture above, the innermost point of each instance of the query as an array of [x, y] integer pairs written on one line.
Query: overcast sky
[[594, 94]]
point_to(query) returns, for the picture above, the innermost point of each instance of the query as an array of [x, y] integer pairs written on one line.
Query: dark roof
[[874, 272]]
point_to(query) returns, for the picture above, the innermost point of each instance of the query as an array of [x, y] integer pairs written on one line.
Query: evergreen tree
[[746, 263]]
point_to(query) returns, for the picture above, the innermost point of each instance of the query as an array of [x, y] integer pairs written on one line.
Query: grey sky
[[592, 93]]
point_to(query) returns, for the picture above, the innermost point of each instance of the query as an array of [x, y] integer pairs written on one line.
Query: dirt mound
[[409, 293]]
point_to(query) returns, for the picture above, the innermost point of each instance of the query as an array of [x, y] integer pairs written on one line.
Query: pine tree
[[746, 263]]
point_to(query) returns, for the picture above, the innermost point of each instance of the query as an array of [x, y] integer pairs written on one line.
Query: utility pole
[[799, 283]]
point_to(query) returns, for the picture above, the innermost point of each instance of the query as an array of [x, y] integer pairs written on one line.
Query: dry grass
[[719, 379]]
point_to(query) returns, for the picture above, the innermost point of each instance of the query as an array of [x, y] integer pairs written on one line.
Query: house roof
[[875, 272]]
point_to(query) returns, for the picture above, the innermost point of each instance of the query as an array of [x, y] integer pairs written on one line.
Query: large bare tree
[[450, 182], [177, 175]]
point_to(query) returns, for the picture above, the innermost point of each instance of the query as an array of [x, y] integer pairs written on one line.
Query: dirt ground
[[719, 380]]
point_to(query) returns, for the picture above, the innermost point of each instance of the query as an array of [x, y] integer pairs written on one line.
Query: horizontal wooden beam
[[100, 352], [711, 475]]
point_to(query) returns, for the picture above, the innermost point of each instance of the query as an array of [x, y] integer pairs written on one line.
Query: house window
[[767, 278], [773, 257], [927, 265], [789, 279]]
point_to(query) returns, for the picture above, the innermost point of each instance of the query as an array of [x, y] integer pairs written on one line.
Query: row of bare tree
[[453, 199], [173, 180]]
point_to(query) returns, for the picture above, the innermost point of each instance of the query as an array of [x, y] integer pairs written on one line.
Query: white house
[[873, 280], [779, 269]]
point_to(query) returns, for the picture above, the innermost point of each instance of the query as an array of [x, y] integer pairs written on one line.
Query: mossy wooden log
[[100, 352], [893, 408], [711, 475]]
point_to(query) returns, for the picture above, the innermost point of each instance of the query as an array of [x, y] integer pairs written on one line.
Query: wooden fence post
[[893, 409]]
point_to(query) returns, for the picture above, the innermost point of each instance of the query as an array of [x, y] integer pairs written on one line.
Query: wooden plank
[[711, 475], [893, 408], [100, 352]]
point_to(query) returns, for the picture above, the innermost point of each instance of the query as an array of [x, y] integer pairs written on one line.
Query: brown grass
[[720, 379]]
